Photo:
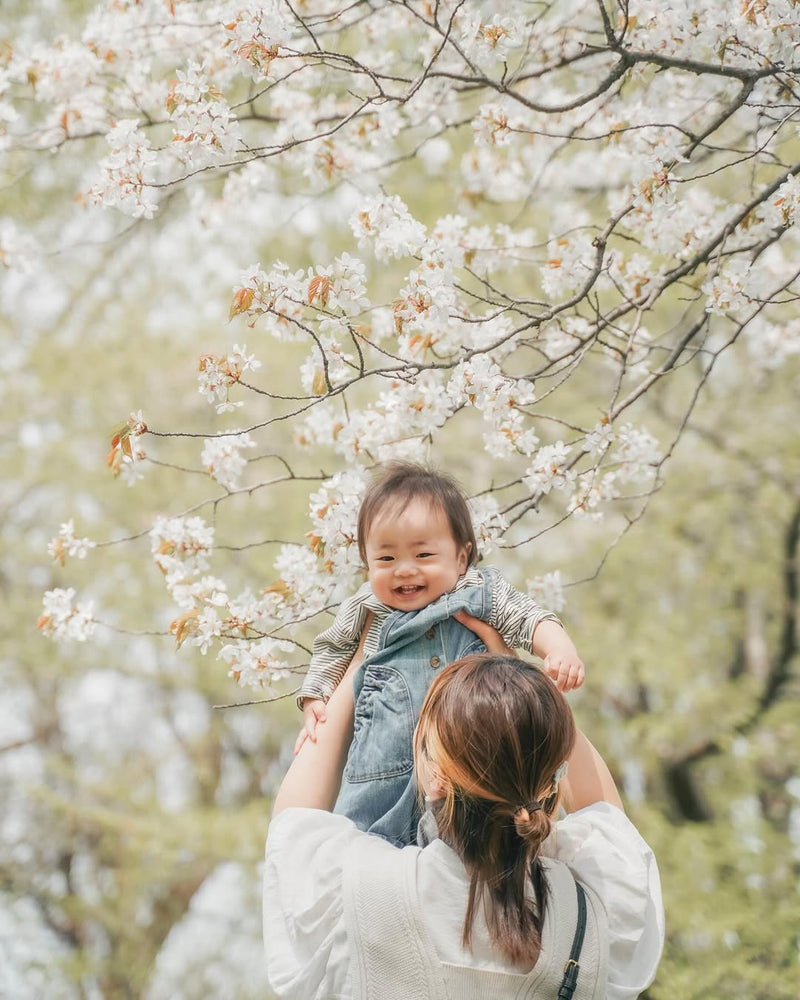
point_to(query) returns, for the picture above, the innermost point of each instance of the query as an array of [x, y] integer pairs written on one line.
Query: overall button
[[435, 661], [430, 633]]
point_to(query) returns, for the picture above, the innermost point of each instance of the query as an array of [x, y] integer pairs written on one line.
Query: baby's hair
[[398, 484]]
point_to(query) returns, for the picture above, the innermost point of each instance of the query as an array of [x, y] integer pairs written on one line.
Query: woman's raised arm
[[588, 779], [314, 777]]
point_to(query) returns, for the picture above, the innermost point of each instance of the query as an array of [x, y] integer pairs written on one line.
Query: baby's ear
[[463, 556]]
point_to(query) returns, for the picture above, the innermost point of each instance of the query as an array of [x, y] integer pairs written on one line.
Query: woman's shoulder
[[319, 843], [304, 827], [601, 847], [607, 824], [305, 928], [606, 853]]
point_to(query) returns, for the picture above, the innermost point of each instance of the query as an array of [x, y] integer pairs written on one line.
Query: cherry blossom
[[201, 118], [256, 664], [181, 547], [327, 366], [548, 590], [521, 227], [256, 35], [549, 469], [64, 618], [217, 374], [488, 522], [387, 225], [537, 246], [222, 458], [127, 172], [333, 513], [67, 544], [637, 451], [593, 491]]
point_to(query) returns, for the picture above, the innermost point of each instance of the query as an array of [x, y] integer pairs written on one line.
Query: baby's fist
[[565, 668]]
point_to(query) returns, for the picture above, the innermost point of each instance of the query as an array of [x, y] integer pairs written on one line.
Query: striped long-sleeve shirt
[[513, 614]]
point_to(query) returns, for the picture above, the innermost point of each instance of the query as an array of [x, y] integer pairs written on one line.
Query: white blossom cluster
[[550, 469], [548, 591], [181, 547], [481, 383], [66, 543], [223, 460], [637, 453], [488, 522], [256, 35], [201, 118], [257, 664], [218, 374], [126, 173], [339, 288], [127, 451], [386, 224], [333, 511], [64, 618], [309, 578]]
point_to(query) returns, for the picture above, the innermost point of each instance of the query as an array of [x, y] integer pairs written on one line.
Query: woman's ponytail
[[498, 730]]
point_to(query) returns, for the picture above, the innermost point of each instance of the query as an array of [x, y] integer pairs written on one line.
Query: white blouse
[[305, 936]]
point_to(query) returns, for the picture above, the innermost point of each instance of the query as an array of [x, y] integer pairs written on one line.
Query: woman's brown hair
[[495, 730], [398, 483]]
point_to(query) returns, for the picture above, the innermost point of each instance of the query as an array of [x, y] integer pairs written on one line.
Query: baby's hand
[[563, 665], [313, 714]]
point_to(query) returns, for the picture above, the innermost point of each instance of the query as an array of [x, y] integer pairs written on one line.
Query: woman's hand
[[487, 633]]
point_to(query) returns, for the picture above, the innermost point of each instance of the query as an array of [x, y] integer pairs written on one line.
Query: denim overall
[[378, 791]]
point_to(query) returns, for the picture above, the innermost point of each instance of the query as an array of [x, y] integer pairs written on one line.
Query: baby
[[417, 542]]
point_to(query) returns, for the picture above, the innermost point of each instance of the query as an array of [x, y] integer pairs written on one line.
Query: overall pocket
[[383, 729]]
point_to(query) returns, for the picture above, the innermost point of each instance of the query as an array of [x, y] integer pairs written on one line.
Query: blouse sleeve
[[305, 940], [605, 852]]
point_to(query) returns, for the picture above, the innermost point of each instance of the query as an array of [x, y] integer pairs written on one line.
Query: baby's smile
[[412, 555]]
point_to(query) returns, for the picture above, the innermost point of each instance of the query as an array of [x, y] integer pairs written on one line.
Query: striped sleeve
[[514, 614], [333, 649]]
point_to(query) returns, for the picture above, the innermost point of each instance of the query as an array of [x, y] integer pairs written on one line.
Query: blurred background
[[134, 807]]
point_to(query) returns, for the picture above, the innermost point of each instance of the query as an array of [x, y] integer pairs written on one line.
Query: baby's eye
[[384, 558], [424, 555]]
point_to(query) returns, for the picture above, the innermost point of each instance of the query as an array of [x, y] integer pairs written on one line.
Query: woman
[[503, 901]]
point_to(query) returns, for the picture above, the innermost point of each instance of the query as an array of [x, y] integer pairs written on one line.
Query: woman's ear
[[436, 786], [429, 779]]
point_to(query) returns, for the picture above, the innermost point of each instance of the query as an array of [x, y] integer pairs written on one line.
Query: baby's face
[[412, 556]]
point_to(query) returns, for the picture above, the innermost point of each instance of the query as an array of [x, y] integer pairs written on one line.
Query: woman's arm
[[314, 777], [589, 779]]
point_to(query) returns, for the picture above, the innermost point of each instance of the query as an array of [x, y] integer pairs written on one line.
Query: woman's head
[[492, 735]]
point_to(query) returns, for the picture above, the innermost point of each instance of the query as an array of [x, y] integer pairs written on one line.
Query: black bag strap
[[572, 967]]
